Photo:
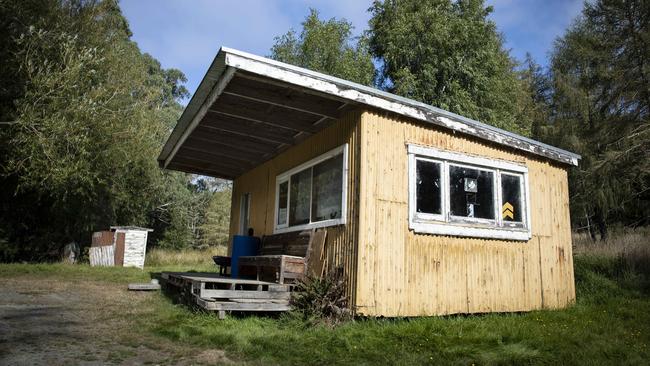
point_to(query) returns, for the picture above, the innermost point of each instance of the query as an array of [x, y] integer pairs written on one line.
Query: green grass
[[609, 324], [84, 272]]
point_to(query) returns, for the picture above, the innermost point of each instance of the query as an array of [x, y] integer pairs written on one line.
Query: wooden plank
[[242, 294], [316, 259], [262, 113], [226, 146], [218, 156], [235, 306], [248, 128], [223, 160], [283, 96], [260, 301], [249, 142], [207, 163], [215, 278], [143, 286], [256, 77]]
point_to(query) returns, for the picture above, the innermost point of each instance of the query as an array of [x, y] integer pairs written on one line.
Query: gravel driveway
[[53, 322]]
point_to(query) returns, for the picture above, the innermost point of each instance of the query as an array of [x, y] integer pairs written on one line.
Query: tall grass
[[186, 257], [630, 248]]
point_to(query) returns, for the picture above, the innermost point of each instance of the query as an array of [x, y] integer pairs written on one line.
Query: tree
[[216, 227], [600, 71], [326, 46], [87, 114], [539, 88], [448, 54]]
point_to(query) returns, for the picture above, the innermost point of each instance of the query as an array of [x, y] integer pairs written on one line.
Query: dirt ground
[[47, 322]]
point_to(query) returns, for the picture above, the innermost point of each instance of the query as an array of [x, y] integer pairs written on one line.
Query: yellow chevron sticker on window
[[508, 211]]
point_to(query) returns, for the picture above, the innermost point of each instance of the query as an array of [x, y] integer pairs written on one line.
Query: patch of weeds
[[322, 299]]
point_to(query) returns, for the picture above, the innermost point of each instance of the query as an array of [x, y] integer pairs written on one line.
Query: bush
[[322, 299]]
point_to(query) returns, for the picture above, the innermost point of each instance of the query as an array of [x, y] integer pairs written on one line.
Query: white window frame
[[285, 176], [446, 224]]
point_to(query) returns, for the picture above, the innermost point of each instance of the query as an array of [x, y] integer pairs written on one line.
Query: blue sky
[[187, 34]]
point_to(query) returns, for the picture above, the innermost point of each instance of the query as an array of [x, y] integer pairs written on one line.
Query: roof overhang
[[248, 109]]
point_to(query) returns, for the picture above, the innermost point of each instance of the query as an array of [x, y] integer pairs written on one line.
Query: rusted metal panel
[[119, 248], [102, 238]]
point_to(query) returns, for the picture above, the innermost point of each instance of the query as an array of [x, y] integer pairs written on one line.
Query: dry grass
[[618, 243], [186, 257], [630, 246]]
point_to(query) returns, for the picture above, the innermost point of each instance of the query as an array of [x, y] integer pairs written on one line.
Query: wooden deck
[[214, 292]]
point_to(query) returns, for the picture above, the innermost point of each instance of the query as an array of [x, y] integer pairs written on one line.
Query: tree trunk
[[599, 221]]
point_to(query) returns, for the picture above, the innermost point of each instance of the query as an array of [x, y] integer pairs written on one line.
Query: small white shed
[[134, 246]]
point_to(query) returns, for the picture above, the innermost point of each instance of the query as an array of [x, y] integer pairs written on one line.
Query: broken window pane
[[471, 192], [511, 209], [300, 197], [327, 189], [427, 185], [283, 194]]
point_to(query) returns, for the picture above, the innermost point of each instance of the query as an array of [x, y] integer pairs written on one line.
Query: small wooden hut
[[427, 212]]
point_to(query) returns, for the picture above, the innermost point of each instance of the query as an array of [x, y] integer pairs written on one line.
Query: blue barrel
[[242, 246]]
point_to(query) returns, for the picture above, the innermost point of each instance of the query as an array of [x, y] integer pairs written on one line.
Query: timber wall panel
[[340, 247], [401, 273]]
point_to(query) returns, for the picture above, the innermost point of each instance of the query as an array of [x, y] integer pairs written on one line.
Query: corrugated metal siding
[[260, 183], [405, 274]]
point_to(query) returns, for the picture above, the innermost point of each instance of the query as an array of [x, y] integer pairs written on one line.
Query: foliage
[[322, 299], [87, 115], [600, 72], [449, 54], [326, 46], [215, 228]]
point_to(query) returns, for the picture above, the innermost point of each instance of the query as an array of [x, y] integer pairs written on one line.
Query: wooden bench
[[285, 256]]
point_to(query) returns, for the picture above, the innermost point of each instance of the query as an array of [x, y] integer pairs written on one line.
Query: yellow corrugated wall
[[260, 183], [405, 274]]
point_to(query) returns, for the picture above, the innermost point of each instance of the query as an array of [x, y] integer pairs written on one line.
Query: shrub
[[322, 299]]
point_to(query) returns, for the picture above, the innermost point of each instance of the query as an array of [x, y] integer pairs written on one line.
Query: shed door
[[119, 249]]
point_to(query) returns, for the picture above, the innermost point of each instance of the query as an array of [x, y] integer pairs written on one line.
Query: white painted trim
[[278, 182], [447, 224], [465, 158], [212, 97], [284, 177], [313, 225], [413, 214], [469, 231]]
